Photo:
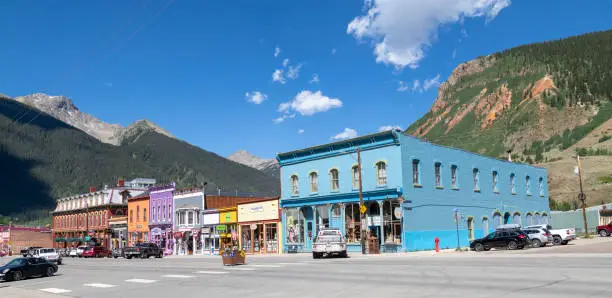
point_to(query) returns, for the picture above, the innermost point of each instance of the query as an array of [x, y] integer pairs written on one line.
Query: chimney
[[92, 189], [120, 182], [509, 155]]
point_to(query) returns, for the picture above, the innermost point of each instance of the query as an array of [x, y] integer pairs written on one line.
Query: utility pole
[[582, 197], [363, 240]]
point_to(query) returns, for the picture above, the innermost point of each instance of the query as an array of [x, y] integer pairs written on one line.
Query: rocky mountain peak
[[265, 165]]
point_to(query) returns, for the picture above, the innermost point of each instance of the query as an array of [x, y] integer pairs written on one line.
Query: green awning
[[60, 239]]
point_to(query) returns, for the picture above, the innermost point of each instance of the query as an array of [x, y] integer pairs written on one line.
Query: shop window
[[495, 182], [454, 176], [513, 184], [314, 182], [334, 183], [352, 222], [437, 166], [294, 185], [271, 238], [294, 229], [336, 210], [355, 171], [381, 173], [322, 219], [516, 218], [476, 175], [415, 172], [392, 223]]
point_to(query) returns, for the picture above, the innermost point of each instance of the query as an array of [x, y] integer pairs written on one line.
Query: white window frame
[[381, 173]]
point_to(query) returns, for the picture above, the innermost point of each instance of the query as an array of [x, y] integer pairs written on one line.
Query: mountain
[[44, 158], [268, 166], [64, 110], [539, 100]]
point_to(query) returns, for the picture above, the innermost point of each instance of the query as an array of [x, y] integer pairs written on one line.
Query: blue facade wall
[[430, 213]]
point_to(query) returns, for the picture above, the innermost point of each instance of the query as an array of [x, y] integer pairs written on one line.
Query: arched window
[[295, 183], [333, 180], [528, 185], [516, 218], [528, 219], [513, 184], [355, 171], [495, 181], [485, 226], [314, 182], [437, 170], [476, 174], [541, 186], [381, 173]]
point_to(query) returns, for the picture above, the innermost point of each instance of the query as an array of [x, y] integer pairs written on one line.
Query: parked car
[[96, 252], [117, 252], [21, 268], [508, 238], [605, 230], [80, 250], [3, 253], [329, 242], [72, 252], [27, 252], [560, 236], [49, 254], [143, 251], [538, 237]]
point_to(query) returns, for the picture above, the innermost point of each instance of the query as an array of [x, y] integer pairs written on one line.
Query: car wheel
[[59, 262], [512, 245], [160, 255], [604, 233], [536, 243], [115, 257], [128, 257], [343, 254], [316, 255], [17, 276], [478, 247], [49, 272], [564, 242], [557, 240]]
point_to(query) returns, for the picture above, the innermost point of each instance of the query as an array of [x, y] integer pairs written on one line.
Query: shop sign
[[221, 227], [397, 212], [206, 230], [253, 226], [139, 226], [228, 217], [87, 238], [178, 235], [156, 231]]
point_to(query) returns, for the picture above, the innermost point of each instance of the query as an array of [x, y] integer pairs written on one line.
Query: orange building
[[138, 219]]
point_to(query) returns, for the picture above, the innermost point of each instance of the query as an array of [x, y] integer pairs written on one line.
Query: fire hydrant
[[437, 241]]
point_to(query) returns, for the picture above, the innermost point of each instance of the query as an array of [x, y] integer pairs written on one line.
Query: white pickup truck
[[49, 254], [329, 242], [560, 236]]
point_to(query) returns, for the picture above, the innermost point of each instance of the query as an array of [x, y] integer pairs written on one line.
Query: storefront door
[[258, 239], [271, 238]]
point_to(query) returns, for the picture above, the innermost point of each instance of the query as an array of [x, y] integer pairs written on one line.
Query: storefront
[[160, 222], [162, 236], [228, 227], [210, 234], [119, 230], [259, 224]]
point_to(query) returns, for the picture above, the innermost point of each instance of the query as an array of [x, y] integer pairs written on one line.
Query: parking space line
[[266, 266], [95, 285], [55, 290], [211, 272], [239, 269], [177, 276], [141, 281]]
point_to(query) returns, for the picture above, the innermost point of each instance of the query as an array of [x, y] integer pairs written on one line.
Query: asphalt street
[[547, 272]]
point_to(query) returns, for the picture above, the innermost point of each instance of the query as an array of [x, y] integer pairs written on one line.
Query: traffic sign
[[363, 209]]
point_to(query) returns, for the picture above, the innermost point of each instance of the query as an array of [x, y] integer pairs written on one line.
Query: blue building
[[413, 191]]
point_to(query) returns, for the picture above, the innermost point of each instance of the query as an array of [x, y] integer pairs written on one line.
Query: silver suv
[[328, 242], [539, 237], [49, 254]]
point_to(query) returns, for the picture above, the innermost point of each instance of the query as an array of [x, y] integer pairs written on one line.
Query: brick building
[[16, 238]]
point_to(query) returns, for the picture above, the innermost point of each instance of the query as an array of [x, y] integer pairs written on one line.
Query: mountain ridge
[[266, 165]]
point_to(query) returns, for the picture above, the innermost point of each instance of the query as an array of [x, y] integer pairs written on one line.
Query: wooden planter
[[232, 259]]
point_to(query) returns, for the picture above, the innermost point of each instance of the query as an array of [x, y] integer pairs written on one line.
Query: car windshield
[[16, 262], [47, 250]]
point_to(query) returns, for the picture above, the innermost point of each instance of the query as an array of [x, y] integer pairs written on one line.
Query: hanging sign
[[253, 226], [220, 227], [397, 212]]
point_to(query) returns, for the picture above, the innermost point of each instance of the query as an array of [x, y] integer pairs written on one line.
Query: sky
[[265, 76]]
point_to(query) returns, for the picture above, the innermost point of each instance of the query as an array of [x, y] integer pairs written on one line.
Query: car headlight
[[6, 270]]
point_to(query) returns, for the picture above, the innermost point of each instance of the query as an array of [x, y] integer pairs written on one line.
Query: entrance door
[[258, 239], [246, 238], [271, 238]]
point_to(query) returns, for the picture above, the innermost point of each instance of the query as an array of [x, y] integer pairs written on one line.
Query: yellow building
[[260, 226], [228, 227], [138, 219]]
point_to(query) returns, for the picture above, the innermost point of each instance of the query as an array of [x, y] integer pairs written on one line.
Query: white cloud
[[454, 53], [277, 51], [402, 86], [255, 97], [402, 30], [300, 131], [279, 76], [348, 133], [285, 62], [432, 82], [416, 85], [294, 71], [308, 103], [334, 51], [389, 127], [283, 117], [315, 79]]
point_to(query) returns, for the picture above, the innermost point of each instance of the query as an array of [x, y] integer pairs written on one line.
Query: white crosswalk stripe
[[293, 263], [55, 290], [211, 272], [239, 269], [96, 285], [178, 276], [141, 281], [266, 266]]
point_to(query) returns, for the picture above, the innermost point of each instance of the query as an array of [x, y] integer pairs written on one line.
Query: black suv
[[503, 238]]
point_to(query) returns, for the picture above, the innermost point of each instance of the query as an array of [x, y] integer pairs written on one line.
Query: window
[[476, 179], [314, 182], [437, 174], [294, 185], [137, 213], [131, 215], [144, 214], [190, 218], [352, 222], [513, 184], [415, 172], [495, 182], [454, 176], [470, 227], [333, 176], [355, 177], [381, 173], [528, 185], [169, 212], [541, 186]]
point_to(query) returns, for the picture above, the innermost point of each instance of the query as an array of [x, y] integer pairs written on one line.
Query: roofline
[[259, 201], [347, 141]]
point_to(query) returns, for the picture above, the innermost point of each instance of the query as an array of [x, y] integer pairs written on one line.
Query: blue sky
[[188, 65]]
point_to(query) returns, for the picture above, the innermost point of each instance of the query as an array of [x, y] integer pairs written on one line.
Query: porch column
[[329, 214], [194, 247], [281, 242], [342, 219], [314, 221], [382, 226]]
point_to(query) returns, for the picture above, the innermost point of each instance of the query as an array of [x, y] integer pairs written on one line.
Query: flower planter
[[233, 258]]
